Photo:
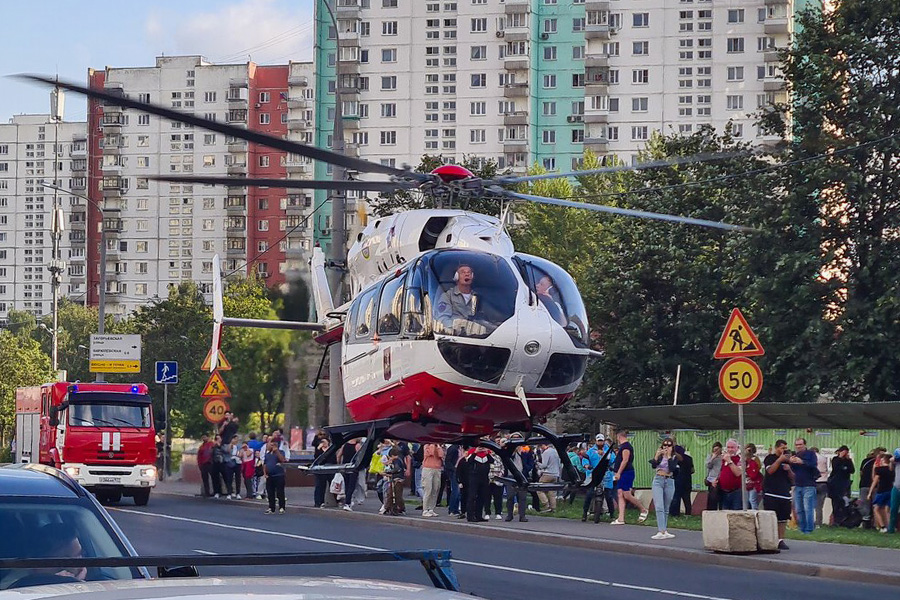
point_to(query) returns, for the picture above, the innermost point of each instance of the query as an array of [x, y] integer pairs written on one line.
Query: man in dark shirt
[[805, 466], [839, 482], [624, 478], [777, 487], [347, 452]]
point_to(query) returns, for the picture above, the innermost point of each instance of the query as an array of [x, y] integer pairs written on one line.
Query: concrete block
[[766, 531], [729, 531]]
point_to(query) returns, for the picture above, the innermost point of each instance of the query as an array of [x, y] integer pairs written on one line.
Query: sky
[[66, 37]]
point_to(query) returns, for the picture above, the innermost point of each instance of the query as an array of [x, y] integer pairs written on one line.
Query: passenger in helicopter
[[457, 307], [547, 294]]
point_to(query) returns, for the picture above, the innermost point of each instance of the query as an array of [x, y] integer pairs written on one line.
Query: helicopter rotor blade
[[653, 164], [294, 184], [629, 212], [347, 162]]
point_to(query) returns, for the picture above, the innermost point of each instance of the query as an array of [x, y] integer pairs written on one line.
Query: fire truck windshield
[[109, 410]]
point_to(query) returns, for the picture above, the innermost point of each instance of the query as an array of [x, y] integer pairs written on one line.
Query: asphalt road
[[489, 568]]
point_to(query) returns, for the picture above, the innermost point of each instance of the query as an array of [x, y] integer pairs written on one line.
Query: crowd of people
[[227, 461], [475, 485]]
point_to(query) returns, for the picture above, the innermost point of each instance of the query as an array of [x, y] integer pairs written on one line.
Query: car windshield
[[56, 528], [471, 293], [108, 413], [557, 293]]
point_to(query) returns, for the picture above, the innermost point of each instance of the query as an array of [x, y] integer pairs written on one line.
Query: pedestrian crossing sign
[[738, 339], [216, 387]]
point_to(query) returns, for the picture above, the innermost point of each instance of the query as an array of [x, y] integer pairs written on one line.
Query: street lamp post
[[101, 320]]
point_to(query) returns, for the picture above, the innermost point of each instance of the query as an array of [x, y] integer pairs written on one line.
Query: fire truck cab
[[100, 434]]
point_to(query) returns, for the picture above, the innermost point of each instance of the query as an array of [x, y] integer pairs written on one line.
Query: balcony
[[515, 90], [596, 5], [514, 7], [776, 25], [299, 125], [79, 165], [117, 185], [596, 144], [517, 34], [112, 224], [351, 122], [517, 62], [777, 2], [295, 204], [235, 228], [596, 116], [347, 9], [297, 233], [112, 119], [237, 169], [596, 32], [298, 80], [771, 56], [79, 148], [299, 103], [596, 83], [294, 252], [349, 39], [515, 144], [236, 204], [239, 82], [79, 184], [519, 117], [297, 168], [773, 84], [77, 225], [348, 89], [237, 145], [77, 238], [596, 60]]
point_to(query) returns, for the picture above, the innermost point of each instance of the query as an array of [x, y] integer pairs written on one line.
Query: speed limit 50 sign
[[740, 380]]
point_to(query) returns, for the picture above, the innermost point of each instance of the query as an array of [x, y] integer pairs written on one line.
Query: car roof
[[37, 481], [236, 588]]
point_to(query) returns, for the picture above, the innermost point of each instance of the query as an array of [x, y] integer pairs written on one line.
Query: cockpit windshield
[[470, 293], [557, 293]]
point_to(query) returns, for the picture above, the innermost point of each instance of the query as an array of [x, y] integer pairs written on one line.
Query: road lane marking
[[207, 552], [457, 561]]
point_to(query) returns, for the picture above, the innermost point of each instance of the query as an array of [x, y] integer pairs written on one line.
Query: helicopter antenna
[[504, 212]]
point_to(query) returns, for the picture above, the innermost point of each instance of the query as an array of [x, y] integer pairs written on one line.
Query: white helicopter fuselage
[[469, 373]]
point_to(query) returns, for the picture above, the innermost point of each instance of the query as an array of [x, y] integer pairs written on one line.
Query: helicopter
[[450, 334]]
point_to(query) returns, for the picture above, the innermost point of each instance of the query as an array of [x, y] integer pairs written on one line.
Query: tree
[[844, 72], [387, 204], [177, 328], [75, 323], [21, 364]]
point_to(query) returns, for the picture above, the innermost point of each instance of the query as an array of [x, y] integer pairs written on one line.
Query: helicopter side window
[[389, 306], [415, 300], [364, 315], [557, 293]]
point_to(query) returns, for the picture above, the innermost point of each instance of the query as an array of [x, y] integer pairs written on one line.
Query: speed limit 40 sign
[[215, 408], [740, 380]]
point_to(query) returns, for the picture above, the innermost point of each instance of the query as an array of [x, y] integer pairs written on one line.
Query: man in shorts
[[777, 481], [624, 478]]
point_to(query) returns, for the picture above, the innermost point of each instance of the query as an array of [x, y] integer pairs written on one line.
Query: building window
[[388, 55], [548, 136], [549, 109], [735, 45], [479, 80], [143, 119], [477, 136], [478, 109], [479, 52], [549, 81], [639, 104], [389, 82], [209, 96], [388, 138], [641, 19], [640, 76], [264, 161], [735, 73], [735, 102], [389, 28], [264, 118], [549, 25], [479, 25], [640, 132], [389, 110], [736, 15], [640, 48], [549, 52]]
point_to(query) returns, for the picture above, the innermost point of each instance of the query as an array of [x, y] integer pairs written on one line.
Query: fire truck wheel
[[108, 497], [141, 497]]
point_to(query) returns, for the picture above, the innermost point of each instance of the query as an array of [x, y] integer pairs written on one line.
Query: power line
[[748, 173]]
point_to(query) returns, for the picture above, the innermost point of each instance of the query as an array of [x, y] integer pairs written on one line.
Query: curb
[[766, 562]]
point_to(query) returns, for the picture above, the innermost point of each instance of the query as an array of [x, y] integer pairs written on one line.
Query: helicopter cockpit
[[471, 293]]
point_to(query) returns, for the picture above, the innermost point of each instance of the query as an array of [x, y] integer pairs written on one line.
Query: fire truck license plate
[[110, 480]]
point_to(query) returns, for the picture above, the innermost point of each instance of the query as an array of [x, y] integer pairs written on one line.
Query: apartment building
[[36, 149], [159, 234], [539, 81]]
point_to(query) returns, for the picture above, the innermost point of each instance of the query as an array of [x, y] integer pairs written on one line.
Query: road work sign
[[738, 339], [216, 387]]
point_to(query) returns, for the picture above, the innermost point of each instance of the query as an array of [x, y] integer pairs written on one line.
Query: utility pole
[[101, 321], [337, 252], [57, 224]]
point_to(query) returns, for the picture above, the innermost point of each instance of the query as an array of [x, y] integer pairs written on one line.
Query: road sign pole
[[168, 431], [743, 457]]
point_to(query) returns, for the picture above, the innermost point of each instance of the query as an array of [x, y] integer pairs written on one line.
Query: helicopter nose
[[532, 348]]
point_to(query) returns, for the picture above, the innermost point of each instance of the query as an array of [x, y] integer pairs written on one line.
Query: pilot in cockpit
[[547, 294], [458, 306]]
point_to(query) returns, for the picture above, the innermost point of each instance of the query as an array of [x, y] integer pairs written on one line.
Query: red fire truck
[[101, 434]]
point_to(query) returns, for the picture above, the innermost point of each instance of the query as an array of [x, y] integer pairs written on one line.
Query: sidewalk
[[832, 561]]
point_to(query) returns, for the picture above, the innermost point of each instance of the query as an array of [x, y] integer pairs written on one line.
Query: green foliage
[[387, 204], [75, 323], [843, 70], [21, 364]]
